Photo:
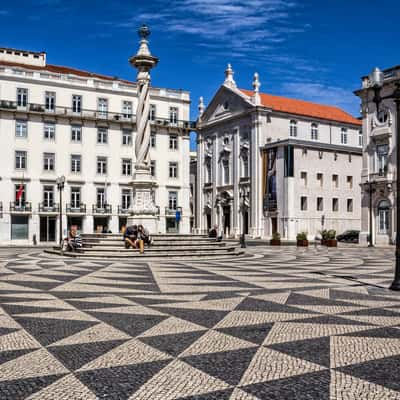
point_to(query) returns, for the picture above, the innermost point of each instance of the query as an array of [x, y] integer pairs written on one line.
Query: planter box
[[302, 243], [275, 242], [331, 243], [323, 242]]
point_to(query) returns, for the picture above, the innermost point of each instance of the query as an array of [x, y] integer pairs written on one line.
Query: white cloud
[[3, 13]]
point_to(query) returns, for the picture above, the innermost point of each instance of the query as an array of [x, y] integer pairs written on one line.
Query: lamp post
[[371, 190], [243, 196], [376, 77], [60, 186]]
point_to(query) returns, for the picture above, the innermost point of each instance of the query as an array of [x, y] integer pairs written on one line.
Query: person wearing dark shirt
[[131, 236]]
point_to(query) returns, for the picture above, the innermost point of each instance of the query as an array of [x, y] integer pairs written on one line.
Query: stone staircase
[[165, 246]]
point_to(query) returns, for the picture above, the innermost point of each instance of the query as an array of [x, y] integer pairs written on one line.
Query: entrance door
[[100, 223], [75, 222], [274, 225], [227, 220], [246, 222], [47, 229], [208, 222]]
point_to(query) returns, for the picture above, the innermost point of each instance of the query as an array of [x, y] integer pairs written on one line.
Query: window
[[153, 139], [102, 165], [360, 139], [320, 204], [50, 101], [76, 103], [20, 200], [102, 107], [100, 197], [102, 136], [173, 115], [293, 128], [383, 216], [75, 197], [126, 199], [289, 161], [49, 131], [126, 166], [153, 168], [19, 227], [382, 151], [21, 129], [245, 167], [225, 172], [173, 169], [48, 161], [173, 142], [76, 133], [152, 112], [303, 203], [127, 109], [335, 181], [343, 136], [208, 172], [320, 179], [20, 160], [335, 204], [314, 131], [349, 181], [22, 97], [303, 177], [349, 205], [48, 196], [76, 163], [126, 138], [172, 200]]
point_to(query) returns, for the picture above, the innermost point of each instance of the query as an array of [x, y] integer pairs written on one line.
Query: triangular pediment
[[226, 102]]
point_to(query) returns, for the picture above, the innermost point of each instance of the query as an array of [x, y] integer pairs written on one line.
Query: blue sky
[[314, 49]]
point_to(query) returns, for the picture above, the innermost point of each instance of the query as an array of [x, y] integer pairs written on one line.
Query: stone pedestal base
[[144, 211], [363, 238]]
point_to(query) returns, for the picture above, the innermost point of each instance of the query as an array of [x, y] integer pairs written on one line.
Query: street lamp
[[376, 77], [243, 196], [371, 190], [60, 186]]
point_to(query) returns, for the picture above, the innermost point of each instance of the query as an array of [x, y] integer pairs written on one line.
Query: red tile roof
[[305, 108], [63, 70]]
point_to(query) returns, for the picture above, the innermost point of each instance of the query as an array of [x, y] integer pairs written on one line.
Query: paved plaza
[[282, 323]]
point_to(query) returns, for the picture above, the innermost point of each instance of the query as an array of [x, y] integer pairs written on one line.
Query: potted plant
[[276, 239], [331, 238], [324, 236], [302, 239]]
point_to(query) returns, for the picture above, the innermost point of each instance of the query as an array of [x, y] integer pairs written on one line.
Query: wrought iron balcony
[[104, 209], [172, 211], [16, 206], [123, 211], [270, 204], [75, 208], [47, 208]]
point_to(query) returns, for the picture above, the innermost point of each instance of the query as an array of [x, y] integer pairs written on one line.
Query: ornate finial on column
[[201, 107], [229, 77], [256, 86]]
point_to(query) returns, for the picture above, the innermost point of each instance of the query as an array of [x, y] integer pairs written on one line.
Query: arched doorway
[[384, 217]]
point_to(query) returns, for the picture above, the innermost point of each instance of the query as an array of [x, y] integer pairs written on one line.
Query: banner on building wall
[[270, 180]]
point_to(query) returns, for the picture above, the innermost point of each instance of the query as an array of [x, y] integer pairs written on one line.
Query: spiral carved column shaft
[[142, 142]]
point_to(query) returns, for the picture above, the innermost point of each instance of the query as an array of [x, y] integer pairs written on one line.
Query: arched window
[[208, 172], [293, 128], [314, 131], [343, 136], [245, 166], [383, 216]]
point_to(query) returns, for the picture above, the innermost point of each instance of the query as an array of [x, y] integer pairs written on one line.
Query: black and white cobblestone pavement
[[283, 323]]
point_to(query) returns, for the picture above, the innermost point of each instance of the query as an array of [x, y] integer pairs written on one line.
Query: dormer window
[[314, 131], [226, 106], [226, 141], [343, 136], [383, 116], [293, 128]]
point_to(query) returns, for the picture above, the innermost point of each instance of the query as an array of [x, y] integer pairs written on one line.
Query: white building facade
[[379, 160], [271, 164], [57, 121]]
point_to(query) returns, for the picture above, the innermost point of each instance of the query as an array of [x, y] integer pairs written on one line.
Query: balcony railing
[[92, 114], [20, 207], [270, 204], [172, 211], [123, 210], [76, 209], [46, 208], [105, 209]]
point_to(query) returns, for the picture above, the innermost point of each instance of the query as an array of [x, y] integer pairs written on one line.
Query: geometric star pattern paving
[[279, 323]]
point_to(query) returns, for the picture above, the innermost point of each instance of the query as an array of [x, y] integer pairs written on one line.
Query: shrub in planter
[[302, 239], [276, 239], [331, 238], [324, 236]]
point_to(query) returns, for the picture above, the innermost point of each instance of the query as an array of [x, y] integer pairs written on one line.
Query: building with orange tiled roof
[[62, 121], [270, 164]]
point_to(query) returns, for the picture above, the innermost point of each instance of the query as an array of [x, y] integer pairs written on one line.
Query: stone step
[[156, 241], [156, 235], [120, 243], [157, 249]]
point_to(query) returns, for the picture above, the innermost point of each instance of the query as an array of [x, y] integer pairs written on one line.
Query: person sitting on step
[[130, 236], [145, 235], [74, 240]]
